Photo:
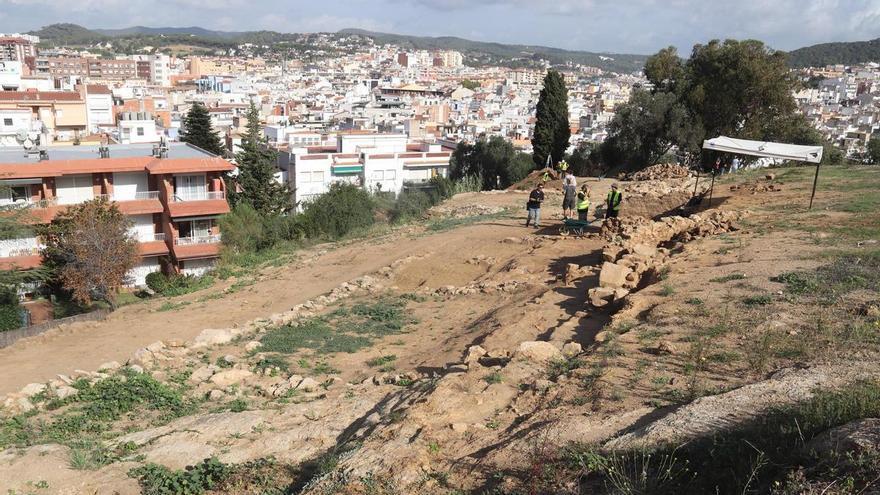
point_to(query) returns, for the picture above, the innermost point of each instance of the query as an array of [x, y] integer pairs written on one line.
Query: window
[[378, 175], [390, 175], [318, 177], [59, 113], [7, 121], [140, 131]]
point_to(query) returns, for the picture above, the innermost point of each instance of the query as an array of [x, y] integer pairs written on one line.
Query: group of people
[[572, 199]]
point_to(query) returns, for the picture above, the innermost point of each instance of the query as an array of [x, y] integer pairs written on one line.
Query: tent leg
[[697, 183], [711, 190], [815, 180]]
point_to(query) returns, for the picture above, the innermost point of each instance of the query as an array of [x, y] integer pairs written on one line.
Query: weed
[[194, 480], [695, 301], [272, 361], [494, 377], [562, 367], [433, 447], [761, 300], [667, 290], [728, 278], [324, 368], [381, 361], [238, 405], [171, 306]]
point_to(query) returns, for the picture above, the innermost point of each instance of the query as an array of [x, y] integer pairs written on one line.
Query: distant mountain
[[151, 31], [488, 52], [847, 53], [68, 34]]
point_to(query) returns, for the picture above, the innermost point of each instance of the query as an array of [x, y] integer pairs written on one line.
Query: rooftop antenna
[[31, 145], [161, 150], [104, 148]]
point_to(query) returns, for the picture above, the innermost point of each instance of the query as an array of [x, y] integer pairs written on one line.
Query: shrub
[[244, 229], [413, 204], [10, 317], [157, 282], [194, 480], [342, 210]]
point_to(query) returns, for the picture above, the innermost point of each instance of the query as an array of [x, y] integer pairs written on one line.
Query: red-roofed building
[[174, 202]]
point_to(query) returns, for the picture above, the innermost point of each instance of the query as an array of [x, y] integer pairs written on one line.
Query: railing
[[202, 239], [139, 196], [200, 196], [159, 236], [29, 203], [13, 253]]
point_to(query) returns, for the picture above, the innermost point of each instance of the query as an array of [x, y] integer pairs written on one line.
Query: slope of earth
[[473, 355]]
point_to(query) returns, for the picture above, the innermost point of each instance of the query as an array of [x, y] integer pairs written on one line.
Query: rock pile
[[661, 171], [633, 250]]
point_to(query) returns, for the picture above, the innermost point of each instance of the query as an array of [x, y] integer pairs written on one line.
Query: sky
[[617, 26]]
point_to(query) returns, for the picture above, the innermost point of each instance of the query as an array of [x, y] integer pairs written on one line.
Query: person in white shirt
[[569, 190]]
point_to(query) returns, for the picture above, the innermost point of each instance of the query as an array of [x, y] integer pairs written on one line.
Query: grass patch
[[384, 363], [762, 300], [452, 223], [344, 330], [171, 306], [760, 457], [847, 273], [562, 367], [494, 377], [728, 278]]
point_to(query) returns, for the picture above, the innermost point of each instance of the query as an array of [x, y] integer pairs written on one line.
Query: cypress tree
[[256, 172], [197, 130], [551, 126]]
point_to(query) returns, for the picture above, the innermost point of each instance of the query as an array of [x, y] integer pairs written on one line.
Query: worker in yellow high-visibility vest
[[615, 197], [583, 203]]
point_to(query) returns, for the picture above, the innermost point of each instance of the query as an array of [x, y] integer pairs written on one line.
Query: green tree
[[90, 250], [552, 132], [14, 225], [196, 130], [646, 128], [584, 160], [256, 172], [874, 149], [733, 88], [494, 161], [471, 85]]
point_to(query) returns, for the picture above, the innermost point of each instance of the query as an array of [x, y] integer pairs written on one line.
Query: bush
[[413, 203], [10, 317], [157, 282], [243, 229], [176, 285], [194, 480], [345, 208]]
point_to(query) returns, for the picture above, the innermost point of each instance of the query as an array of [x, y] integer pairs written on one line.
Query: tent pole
[[815, 180], [697, 183], [711, 190]]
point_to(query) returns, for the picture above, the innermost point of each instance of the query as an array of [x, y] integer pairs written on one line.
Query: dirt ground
[[87, 345]]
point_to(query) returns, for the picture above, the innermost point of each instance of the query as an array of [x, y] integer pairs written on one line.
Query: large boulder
[[538, 351], [613, 276]]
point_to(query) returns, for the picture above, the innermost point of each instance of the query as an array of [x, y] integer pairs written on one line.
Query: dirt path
[[89, 344]]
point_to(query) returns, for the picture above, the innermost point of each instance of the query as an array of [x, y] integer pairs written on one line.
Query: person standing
[[536, 197], [615, 197], [583, 203], [569, 193]]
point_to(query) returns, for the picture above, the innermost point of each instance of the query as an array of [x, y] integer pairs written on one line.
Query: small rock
[[202, 374], [229, 358], [65, 391], [542, 385], [32, 389], [213, 336], [216, 394], [474, 353], [538, 351], [252, 346], [294, 380], [229, 377], [459, 427], [156, 347], [613, 275], [136, 368], [847, 441], [602, 336], [571, 349], [665, 347], [307, 385], [109, 366], [770, 176]]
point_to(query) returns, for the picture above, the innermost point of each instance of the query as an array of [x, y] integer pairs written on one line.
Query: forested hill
[[847, 53]]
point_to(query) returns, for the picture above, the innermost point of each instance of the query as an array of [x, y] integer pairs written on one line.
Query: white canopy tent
[[809, 154]]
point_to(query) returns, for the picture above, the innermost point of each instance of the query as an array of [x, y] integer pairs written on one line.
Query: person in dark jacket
[[536, 197]]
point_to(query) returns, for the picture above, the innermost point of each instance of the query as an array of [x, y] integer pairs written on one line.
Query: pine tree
[[551, 126], [256, 172], [197, 130]]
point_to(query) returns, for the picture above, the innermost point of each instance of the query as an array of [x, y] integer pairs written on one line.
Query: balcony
[[205, 246], [198, 203], [138, 196], [152, 244], [200, 196], [202, 239], [21, 259]]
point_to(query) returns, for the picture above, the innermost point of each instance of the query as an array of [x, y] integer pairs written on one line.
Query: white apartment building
[[377, 162], [137, 127], [99, 105], [160, 70]]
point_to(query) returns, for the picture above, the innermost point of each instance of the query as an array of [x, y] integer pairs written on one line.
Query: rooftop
[[15, 155]]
